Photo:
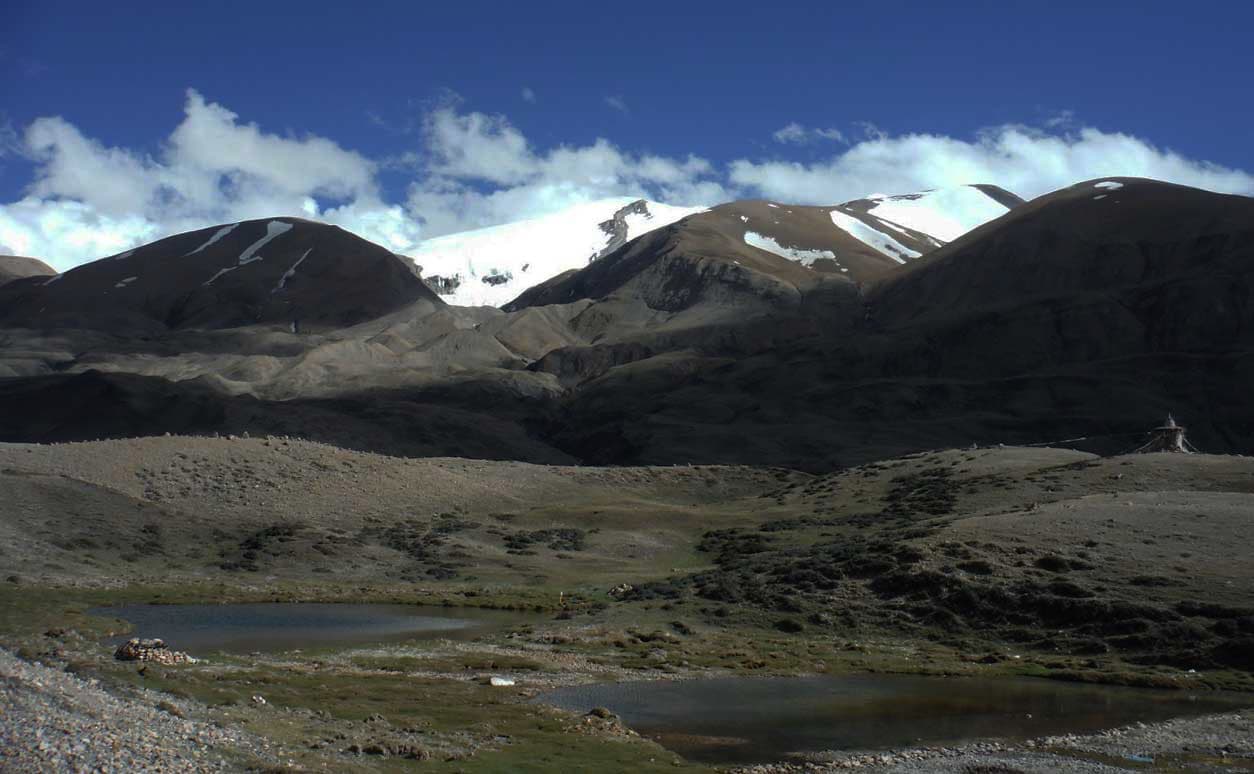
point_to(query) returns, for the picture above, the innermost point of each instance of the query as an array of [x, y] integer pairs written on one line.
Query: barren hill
[[14, 267]]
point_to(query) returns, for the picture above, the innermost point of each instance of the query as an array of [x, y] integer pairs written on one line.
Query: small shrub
[[789, 626]]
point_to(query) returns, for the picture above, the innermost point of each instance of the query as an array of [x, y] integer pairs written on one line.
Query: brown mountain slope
[[708, 282], [777, 248], [13, 267]]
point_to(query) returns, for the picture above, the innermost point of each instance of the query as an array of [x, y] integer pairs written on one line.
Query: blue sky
[[446, 117]]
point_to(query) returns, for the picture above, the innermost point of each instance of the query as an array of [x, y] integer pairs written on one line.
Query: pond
[[757, 720], [267, 627]]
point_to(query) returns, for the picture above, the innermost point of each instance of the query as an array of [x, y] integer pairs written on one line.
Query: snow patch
[[1099, 197], [945, 213], [804, 257], [1109, 185], [51, 280], [744, 219], [219, 274], [216, 236], [125, 282], [273, 229], [893, 226], [546, 246], [776, 206], [876, 240], [121, 256], [287, 275]]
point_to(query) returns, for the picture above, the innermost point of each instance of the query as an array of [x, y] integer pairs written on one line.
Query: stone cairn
[[155, 651]]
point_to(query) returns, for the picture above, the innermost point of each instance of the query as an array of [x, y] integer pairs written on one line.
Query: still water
[[754, 720], [265, 627]]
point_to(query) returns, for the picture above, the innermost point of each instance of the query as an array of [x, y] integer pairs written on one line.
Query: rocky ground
[[54, 721]]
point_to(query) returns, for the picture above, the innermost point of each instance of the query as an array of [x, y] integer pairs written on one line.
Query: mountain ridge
[[1089, 312]]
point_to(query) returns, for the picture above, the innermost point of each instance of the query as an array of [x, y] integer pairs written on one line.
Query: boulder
[[154, 650]]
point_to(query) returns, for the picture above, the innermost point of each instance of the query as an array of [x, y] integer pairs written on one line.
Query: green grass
[[516, 736], [461, 662]]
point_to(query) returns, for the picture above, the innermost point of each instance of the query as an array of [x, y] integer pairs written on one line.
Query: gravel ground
[[53, 721]]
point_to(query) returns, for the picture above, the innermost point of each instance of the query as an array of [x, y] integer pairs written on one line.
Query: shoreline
[[1215, 742], [54, 717]]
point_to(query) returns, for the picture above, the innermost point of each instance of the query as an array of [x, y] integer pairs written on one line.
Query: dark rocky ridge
[[320, 275], [616, 227], [1000, 195]]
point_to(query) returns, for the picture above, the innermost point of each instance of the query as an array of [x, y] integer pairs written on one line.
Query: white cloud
[[210, 142], [473, 169], [796, 134], [618, 103], [112, 180], [1027, 161], [70, 232], [88, 200], [478, 146], [1063, 118], [528, 95], [479, 170]]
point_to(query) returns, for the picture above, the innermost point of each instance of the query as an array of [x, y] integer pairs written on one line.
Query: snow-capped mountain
[[844, 237], [758, 252], [942, 213], [491, 266]]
